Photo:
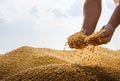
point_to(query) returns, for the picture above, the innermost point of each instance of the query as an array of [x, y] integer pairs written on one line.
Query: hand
[[106, 33]]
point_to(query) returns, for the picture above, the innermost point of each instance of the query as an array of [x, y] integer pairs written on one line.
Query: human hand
[[106, 33]]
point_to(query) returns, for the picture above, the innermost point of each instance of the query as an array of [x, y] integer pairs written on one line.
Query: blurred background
[[46, 23]]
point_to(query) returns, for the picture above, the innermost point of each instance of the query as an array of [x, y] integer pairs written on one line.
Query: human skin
[[109, 29], [91, 11]]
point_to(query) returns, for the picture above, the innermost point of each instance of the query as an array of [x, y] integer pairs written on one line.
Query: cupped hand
[[106, 33]]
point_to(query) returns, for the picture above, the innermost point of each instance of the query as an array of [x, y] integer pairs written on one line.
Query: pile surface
[[43, 64]]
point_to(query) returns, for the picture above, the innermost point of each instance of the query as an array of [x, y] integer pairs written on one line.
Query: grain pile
[[23, 58], [43, 64], [79, 40]]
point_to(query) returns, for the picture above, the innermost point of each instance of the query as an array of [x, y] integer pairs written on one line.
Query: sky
[[46, 23]]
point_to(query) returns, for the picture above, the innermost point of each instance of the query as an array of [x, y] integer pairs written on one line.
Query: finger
[[105, 40], [106, 31], [104, 34]]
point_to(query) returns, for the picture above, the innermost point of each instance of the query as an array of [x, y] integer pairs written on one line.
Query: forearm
[[92, 11], [115, 18]]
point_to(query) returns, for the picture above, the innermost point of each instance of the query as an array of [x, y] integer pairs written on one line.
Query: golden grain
[[80, 40], [43, 64]]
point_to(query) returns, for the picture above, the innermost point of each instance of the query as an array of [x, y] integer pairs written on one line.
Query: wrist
[[87, 31], [111, 26]]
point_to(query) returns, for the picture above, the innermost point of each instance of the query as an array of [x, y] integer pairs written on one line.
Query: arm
[[115, 19], [113, 23], [91, 11]]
